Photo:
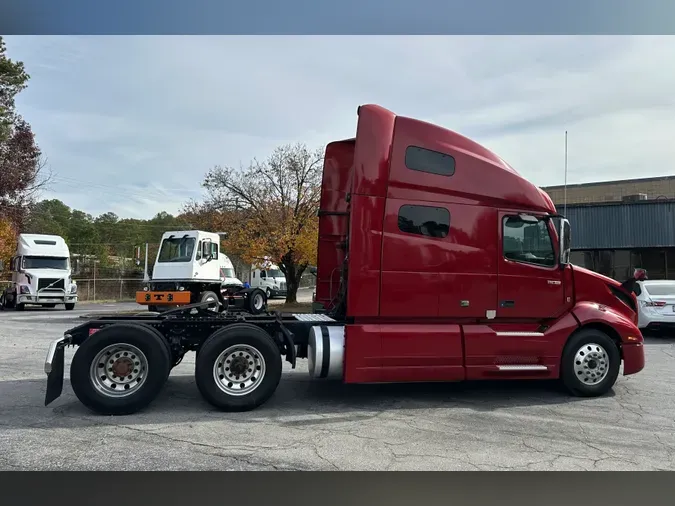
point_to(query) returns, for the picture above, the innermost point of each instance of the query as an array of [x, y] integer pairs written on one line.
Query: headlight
[[146, 289], [23, 289], [73, 288], [181, 288]]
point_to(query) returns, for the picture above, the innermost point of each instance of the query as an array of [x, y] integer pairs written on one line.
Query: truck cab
[[41, 273], [446, 264], [268, 277], [191, 267]]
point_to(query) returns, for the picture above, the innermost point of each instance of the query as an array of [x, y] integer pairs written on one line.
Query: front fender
[[593, 313]]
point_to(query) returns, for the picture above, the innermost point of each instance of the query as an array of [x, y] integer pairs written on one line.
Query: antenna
[[565, 188]]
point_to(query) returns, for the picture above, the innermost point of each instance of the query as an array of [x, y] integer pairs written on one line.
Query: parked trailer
[[437, 261]]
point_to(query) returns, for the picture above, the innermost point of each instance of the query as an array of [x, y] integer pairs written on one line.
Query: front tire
[[238, 368], [70, 306], [590, 363], [120, 369]]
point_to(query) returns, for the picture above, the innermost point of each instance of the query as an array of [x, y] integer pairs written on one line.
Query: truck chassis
[[123, 361]]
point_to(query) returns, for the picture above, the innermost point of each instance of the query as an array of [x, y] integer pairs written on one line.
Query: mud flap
[[54, 367]]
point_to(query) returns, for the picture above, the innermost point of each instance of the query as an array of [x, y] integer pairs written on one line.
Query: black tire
[[238, 334], [148, 341], [256, 301], [20, 306], [591, 361], [50, 306], [204, 296], [70, 306]]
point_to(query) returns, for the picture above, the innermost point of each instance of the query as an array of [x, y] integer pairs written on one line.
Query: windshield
[[227, 273], [177, 249], [661, 289], [45, 263], [275, 273]]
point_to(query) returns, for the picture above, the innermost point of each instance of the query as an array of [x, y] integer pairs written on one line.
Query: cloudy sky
[[131, 124]]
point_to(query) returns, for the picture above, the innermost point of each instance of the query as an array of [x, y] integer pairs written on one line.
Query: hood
[[582, 271], [590, 286], [48, 273], [232, 281]]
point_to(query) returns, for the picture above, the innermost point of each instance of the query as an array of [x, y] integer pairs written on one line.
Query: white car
[[656, 303]]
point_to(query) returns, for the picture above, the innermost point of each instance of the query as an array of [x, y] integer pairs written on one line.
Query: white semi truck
[[41, 274], [190, 268], [268, 277]]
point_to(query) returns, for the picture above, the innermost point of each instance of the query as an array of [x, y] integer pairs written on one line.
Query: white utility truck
[[191, 268], [41, 274], [268, 277]]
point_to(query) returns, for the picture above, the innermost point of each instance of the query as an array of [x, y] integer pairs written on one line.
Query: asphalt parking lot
[[317, 426]]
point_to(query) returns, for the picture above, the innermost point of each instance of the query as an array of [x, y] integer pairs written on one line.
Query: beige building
[[612, 191]]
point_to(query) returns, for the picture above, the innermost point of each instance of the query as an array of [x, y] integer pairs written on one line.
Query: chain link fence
[[115, 272]]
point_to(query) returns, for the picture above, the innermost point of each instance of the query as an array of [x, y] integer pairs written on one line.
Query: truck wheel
[[120, 369], [238, 368], [210, 297], [268, 293], [49, 306], [20, 306], [70, 306], [256, 301], [590, 363]]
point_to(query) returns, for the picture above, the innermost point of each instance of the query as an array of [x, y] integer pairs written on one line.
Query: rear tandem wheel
[[238, 368], [120, 369]]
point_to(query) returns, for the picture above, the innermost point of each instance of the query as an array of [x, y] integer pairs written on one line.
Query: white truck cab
[[181, 258], [269, 278], [41, 273]]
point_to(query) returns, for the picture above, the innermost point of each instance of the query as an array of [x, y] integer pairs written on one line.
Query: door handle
[[553, 282], [507, 303]]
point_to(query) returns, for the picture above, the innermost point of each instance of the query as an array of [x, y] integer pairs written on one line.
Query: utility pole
[[146, 277], [565, 188]]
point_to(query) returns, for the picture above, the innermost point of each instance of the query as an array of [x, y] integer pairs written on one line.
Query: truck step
[[310, 317]]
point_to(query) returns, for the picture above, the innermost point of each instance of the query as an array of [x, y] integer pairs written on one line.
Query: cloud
[[138, 120]]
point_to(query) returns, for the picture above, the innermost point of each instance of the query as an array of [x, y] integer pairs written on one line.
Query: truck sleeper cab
[[41, 274], [437, 261]]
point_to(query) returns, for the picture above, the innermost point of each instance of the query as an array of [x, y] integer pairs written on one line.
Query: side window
[[425, 160], [253, 274], [214, 250], [528, 242], [199, 251], [424, 220]]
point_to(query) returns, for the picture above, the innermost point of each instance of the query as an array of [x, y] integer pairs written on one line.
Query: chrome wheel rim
[[258, 301], [213, 307], [591, 364], [239, 370], [119, 370]]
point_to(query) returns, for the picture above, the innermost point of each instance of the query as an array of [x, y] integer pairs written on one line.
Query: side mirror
[[565, 244], [206, 250], [312, 271], [2, 266]]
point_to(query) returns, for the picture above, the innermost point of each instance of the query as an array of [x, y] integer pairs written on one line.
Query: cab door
[[530, 282]]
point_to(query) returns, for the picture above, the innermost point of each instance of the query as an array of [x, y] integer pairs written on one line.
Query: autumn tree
[[269, 209], [7, 243], [22, 169]]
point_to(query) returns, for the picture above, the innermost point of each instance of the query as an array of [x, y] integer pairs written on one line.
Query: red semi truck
[[437, 262]]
